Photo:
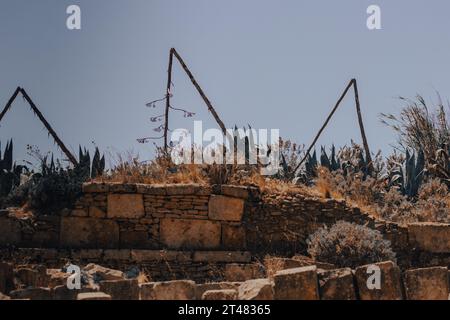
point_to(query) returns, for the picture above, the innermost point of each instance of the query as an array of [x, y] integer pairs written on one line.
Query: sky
[[271, 64]]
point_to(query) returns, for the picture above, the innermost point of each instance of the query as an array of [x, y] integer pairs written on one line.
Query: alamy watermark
[[374, 280], [73, 21], [74, 280], [374, 20], [236, 146]]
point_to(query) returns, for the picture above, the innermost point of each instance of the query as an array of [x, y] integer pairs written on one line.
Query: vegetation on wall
[[349, 245]]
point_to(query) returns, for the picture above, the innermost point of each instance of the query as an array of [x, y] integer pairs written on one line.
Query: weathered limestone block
[[390, 282], [121, 289], [243, 272], [427, 284], [103, 273], [336, 284], [233, 237], [222, 256], [275, 264], [6, 277], [429, 236], [10, 233], [129, 188], [32, 294], [225, 208], [89, 233], [130, 206], [235, 191], [296, 284], [257, 289], [146, 291], [89, 187], [151, 189], [175, 290], [203, 287], [226, 294], [93, 296], [190, 234], [184, 189]]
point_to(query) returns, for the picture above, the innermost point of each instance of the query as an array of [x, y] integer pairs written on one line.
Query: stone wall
[[192, 217], [160, 265], [307, 282], [283, 222]]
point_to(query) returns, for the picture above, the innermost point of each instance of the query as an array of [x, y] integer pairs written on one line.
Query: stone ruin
[[199, 242]]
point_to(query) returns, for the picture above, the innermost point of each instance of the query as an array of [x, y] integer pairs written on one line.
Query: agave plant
[[87, 169], [9, 172], [331, 162], [407, 175]]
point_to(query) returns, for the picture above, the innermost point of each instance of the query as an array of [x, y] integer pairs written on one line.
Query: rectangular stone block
[[121, 289], [146, 291], [190, 234], [130, 206], [336, 284], [257, 289], [174, 290], [243, 272], [296, 284], [429, 236], [32, 294], [225, 208], [390, 287], [224, 294], [427, 284], [89, 233], [87, 296], [183, 189], [222, 256], [203, 287], [275, 264], [235, 191], [90, 187]]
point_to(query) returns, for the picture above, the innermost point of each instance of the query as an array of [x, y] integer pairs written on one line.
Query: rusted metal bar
[[50, 130], [169, 83], [200, 91], [360, 122], [325, 124], [10, 101], [361, 127]]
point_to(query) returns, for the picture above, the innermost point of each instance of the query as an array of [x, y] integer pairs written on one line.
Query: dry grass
[[373, 196]]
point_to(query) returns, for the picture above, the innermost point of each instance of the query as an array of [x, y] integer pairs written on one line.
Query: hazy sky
[[272, 64]]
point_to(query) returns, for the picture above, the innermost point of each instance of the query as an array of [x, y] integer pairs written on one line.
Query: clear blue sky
[[273, 64]]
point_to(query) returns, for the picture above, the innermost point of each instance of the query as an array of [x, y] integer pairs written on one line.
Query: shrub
[[349, 245]]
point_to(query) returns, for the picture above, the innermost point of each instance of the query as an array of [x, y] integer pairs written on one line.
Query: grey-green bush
[[349, 245]]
